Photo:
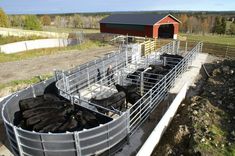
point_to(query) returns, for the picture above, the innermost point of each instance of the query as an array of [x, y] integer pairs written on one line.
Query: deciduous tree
[[232, 28], [46, 20], [32, 23], [4, 22]]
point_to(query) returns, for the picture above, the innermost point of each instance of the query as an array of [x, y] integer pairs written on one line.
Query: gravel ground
[[26, 69]]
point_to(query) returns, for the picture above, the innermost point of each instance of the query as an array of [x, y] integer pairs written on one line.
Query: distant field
[[218, 39], [12, 39], [221, 46], [68, 30], [49, 51]]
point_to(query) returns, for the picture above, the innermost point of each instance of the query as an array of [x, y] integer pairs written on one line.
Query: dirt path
[[26, 69]]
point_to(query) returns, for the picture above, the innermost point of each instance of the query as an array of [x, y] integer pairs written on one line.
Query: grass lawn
[[69, 30], [49, 51], [11, 39], [218, 39]]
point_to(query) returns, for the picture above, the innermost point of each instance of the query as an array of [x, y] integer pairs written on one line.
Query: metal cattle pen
[[84, 78]]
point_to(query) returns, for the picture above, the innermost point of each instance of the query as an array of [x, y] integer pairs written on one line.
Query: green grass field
[[69, 30], [209, 38], [49, 51], [12, 39]]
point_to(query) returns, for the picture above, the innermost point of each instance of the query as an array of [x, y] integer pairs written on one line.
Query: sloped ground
[[205, 123]]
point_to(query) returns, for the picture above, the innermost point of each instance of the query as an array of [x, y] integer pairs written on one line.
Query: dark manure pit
[[48, 113]]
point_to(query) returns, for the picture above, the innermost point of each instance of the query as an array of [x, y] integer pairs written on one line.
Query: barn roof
[[138, 19]]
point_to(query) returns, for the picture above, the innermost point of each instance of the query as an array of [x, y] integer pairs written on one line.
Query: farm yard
[[116, 83], [66, 61]]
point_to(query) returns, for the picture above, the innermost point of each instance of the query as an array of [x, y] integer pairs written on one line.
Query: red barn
[[145, 25]]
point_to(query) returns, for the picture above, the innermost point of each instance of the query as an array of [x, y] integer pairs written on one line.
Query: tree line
[[191, 22], [204, 24]]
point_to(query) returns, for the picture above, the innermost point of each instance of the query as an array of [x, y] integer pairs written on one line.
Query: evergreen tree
[[46, 20], [218, 26], [223, 25]]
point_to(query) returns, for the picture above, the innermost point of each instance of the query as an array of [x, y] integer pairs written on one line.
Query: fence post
[[77, 143], [128, 125], [88, 77], [126, 55], [18, 141], [164, 61], [186, 46], [226, 53], [178, 46], [142, 83]]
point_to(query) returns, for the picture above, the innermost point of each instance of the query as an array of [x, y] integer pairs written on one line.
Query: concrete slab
[[4, 151], [191, 74]]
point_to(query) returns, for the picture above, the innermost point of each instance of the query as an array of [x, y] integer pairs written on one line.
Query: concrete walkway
[[191, 74]]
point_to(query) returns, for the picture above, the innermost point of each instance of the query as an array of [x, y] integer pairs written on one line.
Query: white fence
[[20, 32], [36, 44]]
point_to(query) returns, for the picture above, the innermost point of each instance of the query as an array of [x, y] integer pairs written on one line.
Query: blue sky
[[70, 6]]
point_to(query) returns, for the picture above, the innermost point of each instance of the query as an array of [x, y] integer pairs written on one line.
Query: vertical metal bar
[[88, 77], [103, 67], [178, 46], [77, 143], [67, 84], [18, 141], [126, 55], [142, 83], [108, 136], [128, 125], [33, 91], [164, 83], [186, 46], [151, 96], [164, 61], [56, 75]]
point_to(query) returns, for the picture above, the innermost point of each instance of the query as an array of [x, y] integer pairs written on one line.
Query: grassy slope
[[68, 30], [13, 86], [218, 39], [48, 51]]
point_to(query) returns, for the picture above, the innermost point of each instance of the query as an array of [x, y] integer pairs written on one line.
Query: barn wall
[[147, 31], [155, 31]]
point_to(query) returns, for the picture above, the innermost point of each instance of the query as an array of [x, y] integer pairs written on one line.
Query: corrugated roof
[[138, 19]]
